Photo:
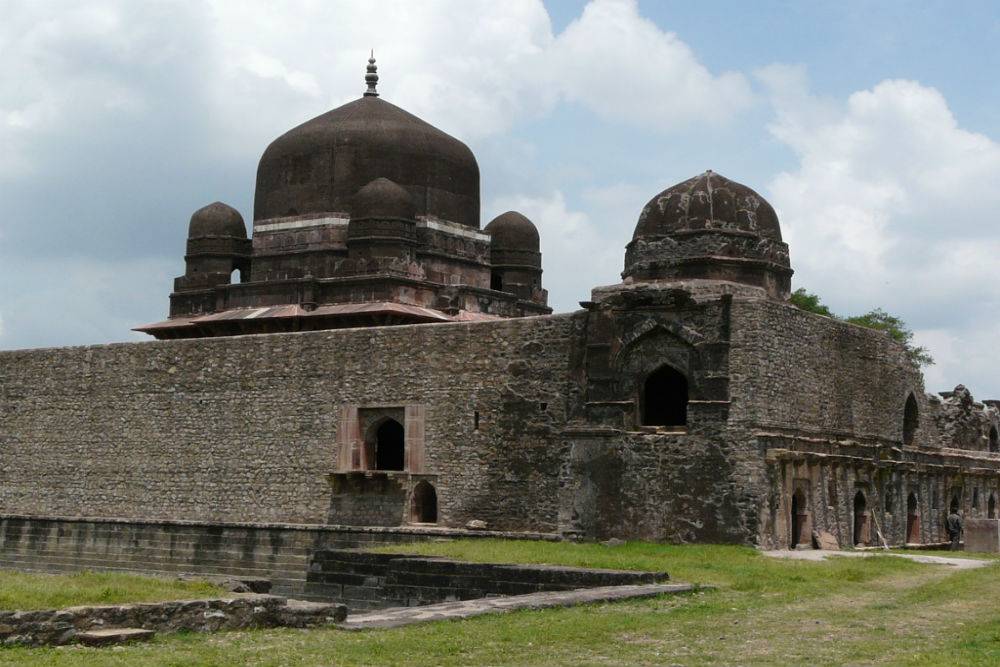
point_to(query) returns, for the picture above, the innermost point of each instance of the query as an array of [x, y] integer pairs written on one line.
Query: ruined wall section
[[795, 371], [958, 421], [245, 428]]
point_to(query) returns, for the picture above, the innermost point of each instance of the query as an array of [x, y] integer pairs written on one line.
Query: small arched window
[[911, 420], [994, 440], [665, 398]]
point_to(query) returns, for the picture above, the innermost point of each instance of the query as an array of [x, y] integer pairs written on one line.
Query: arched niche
[[861, 531], [424, 505], [912, 519], [664, 398]]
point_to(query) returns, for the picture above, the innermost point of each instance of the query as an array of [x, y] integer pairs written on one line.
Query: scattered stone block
[[109, 636], [476, 524], [825, 540]]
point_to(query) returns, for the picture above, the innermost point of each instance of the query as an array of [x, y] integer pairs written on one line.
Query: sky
[[873, 129]]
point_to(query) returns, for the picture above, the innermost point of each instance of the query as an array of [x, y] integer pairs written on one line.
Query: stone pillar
[[414, 438]]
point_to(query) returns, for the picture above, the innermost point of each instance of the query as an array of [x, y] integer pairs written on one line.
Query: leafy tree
[[810, 302], [876, 319], [880, 320]]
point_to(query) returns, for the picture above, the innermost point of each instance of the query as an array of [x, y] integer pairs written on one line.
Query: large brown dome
[[708, 201], [709, 228], [318, 166]]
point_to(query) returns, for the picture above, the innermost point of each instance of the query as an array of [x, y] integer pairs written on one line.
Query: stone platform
[[400, 616]]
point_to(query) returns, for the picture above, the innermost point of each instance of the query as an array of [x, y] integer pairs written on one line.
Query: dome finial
[[371, 78]]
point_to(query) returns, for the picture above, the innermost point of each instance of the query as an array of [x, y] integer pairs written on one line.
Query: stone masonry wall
[[794, 370], [245, 428]]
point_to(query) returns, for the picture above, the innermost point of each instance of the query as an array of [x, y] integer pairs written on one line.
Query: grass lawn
[[879, 610], [22, 590]]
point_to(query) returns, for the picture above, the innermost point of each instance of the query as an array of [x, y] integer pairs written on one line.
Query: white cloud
[[625, 68], [253, 68], [893, 204]]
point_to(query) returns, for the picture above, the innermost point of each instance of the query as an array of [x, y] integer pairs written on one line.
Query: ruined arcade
[[372, 364]]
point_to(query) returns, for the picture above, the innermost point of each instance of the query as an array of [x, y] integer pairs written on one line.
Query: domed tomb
[[512, 231], [382, 222], [514, 256], [709, 227], [317, 167], [217, 219], [383, 199]]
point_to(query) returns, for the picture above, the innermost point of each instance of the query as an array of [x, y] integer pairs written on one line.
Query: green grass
[[879, 610], [22, 590], [739, 568]]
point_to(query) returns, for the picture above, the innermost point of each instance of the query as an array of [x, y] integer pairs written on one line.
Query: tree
[[809, 302], [876, 319], [880, 320]]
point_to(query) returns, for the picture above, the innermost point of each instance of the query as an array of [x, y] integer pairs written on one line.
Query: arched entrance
[[801, 533], [953, 507], [389, 448], [665, 398], [860, 519], [424, 508], [912, 519]]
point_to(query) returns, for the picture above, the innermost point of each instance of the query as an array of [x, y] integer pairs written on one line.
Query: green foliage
[[882, 321], [876, 319], [810, 302]]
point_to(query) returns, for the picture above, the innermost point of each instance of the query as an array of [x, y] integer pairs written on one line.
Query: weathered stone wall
[[245, 428], [824, 401], [794, 370], [279, 553], [63, 626]]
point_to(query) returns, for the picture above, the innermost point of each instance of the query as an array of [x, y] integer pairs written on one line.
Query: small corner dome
[[217, 219], [382, 198], [708, 202], [513, 231]]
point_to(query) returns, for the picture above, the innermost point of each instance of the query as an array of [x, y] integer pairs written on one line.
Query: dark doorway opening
[[496, 281], [953, 508], [425, 504], [911, 420], [665, 398], [801, 521], [389, 446], [860, 519], [912, 519], [994, 440], [991, 509]]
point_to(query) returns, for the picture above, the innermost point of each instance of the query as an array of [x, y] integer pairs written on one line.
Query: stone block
[[109, 636]]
